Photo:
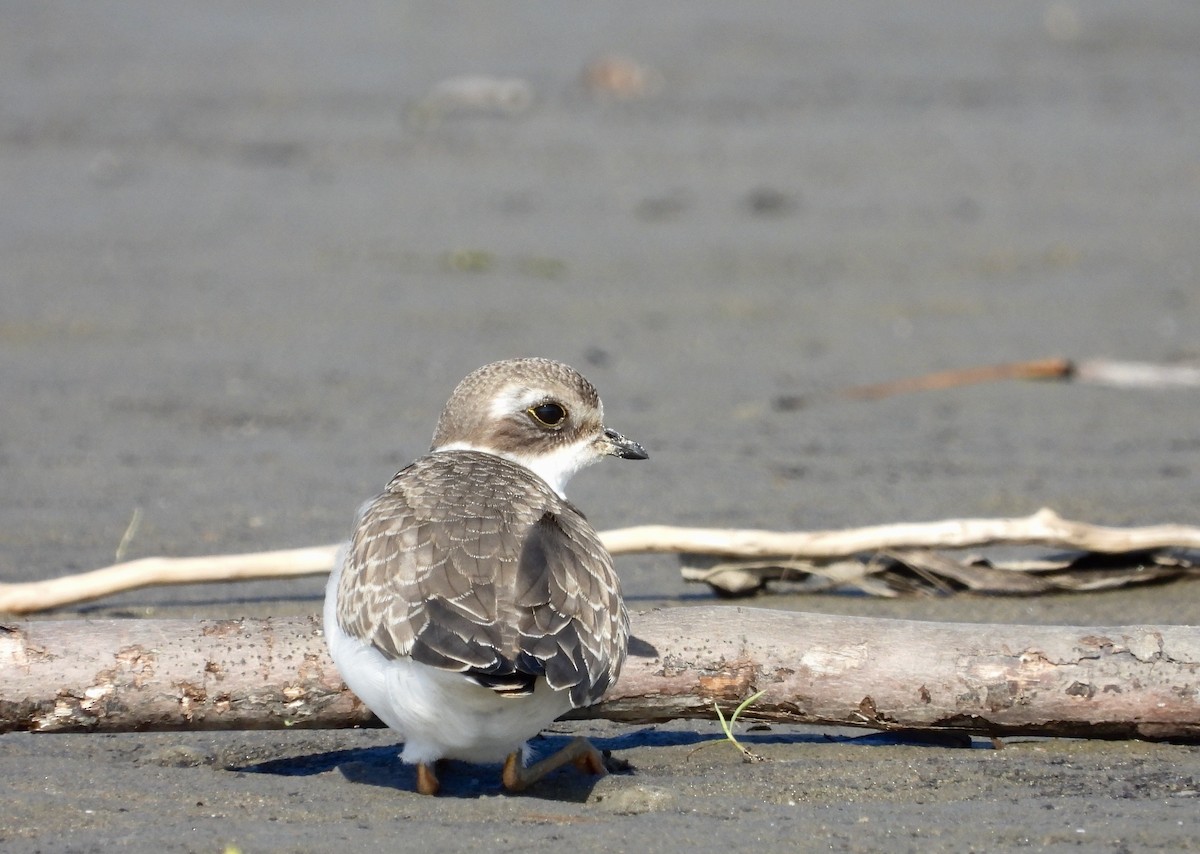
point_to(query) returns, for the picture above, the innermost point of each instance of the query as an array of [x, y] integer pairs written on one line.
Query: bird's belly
[[445, 715], [440, 713]]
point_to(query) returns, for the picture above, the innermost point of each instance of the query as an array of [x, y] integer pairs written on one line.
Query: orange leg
[[579, 752], [427, 781]]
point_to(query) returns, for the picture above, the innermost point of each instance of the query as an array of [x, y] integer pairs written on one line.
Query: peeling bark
[[1116, 682], [132, 675]]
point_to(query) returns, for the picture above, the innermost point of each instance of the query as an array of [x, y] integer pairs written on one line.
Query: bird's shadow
[[381, 765]]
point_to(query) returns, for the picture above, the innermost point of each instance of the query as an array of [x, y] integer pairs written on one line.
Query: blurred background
[[248, 250]]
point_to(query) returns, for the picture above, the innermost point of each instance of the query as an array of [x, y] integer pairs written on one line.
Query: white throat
[[555, 467]]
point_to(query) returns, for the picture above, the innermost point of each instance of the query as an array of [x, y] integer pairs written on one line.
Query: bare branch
[[27, 597], [1043, 528]]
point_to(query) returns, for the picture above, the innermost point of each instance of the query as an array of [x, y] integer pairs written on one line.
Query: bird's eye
[[548, 414]]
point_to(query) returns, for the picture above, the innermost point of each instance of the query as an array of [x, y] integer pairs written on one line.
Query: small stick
[[1107, 372], [1038, 369]]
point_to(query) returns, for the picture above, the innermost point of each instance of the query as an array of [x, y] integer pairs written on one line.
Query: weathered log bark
[[1123, 682], [131, 675]]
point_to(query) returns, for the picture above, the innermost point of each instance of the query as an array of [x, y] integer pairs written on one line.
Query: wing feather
[[470, 563]]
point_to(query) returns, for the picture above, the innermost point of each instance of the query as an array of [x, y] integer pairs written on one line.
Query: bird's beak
[[626, 449]]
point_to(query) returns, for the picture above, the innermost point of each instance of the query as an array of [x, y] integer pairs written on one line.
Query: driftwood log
[[1123, 682]]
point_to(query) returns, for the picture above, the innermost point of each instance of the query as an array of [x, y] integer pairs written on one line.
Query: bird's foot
[[579, 752]]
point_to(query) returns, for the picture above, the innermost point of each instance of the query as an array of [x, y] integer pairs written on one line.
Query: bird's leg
[[579, 752], [427, 781]]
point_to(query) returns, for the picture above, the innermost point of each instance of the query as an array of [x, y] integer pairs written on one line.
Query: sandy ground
[[249, 249]]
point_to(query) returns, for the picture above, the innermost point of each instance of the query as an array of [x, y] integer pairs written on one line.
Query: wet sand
[[246, 257]]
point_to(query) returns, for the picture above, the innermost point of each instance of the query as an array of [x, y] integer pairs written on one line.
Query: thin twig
[[1038, 369]]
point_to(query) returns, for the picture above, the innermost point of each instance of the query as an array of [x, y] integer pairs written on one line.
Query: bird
[[475, 604]]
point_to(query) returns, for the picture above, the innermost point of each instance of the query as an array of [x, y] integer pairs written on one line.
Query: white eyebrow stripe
[[515, 398]]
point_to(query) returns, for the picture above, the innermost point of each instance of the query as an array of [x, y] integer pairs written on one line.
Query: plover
[[475, 604]]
